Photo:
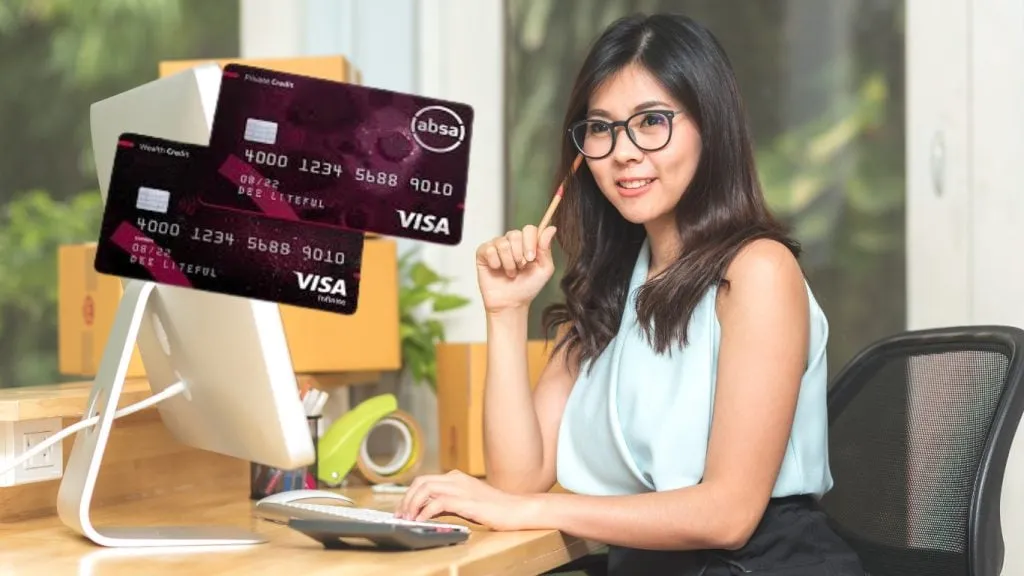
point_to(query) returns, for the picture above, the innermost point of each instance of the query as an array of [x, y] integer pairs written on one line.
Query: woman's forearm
[[513, 452], [696, 518]]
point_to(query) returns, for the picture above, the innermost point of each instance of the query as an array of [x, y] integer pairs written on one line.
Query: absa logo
[[438, 129]]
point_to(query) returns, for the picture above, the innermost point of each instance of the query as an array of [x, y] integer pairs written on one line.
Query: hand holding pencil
[[513, 268], [550, 212]]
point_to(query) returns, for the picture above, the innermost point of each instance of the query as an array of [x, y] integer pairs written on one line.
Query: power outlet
[[17, 438]]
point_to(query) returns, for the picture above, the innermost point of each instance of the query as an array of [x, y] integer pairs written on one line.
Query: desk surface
[[45, 546]]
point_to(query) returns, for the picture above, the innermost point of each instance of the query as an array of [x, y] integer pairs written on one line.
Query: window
[[824, 88], [56, 62]]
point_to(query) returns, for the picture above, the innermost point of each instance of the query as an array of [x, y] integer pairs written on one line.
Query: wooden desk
[[148, 477], [46, 546]]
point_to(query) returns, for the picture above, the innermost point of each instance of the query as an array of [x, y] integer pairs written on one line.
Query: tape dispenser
[[342, 447]]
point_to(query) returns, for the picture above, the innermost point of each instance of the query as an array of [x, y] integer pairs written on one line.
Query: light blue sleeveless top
[[640, 422]]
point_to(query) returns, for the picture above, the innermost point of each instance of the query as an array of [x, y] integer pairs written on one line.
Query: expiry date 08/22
[[152, 257], [284, 248]]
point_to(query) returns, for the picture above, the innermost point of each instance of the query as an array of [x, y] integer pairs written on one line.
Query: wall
[[938, 188], [997, 150], [963, 200], [464, 63]]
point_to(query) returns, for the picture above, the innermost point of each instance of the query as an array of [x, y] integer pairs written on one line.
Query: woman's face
[[643, 186]]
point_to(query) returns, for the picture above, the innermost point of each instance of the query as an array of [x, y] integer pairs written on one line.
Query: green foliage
[[804, 166], [81, 50], [32, 226], [421, 298], [58, 57]]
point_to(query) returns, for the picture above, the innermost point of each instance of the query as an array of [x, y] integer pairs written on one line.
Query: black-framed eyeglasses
[[649, 130]]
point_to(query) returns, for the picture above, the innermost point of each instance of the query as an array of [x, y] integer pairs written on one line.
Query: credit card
[[344, 156], [154, 228]]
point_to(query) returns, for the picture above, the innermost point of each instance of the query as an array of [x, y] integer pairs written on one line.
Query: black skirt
[[793, 539]]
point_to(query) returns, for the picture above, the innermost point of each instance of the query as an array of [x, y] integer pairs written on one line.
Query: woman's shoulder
[[765, 259], [765, 272]]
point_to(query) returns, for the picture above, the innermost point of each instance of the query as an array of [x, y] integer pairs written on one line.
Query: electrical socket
[[16, 438]]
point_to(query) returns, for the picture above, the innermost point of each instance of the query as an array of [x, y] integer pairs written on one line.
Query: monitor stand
[[76, 489]]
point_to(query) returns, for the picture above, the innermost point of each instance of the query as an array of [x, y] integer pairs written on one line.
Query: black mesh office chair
[[920, 430]]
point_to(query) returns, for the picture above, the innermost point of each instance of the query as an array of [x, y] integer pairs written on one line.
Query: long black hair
[[721, 211]]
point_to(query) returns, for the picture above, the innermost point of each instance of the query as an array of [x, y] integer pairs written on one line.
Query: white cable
[[169, 392]]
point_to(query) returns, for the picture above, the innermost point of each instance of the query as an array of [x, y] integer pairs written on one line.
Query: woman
[[684, 406]]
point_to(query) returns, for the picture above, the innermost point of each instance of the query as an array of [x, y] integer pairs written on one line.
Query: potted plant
[[422, 294]]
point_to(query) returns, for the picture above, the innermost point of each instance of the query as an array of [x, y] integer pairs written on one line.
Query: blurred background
[[877, 164]]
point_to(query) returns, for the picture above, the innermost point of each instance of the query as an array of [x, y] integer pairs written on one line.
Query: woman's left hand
[[460, 494]]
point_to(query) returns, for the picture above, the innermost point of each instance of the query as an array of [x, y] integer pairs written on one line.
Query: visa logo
[[423, 222], [321, 284]]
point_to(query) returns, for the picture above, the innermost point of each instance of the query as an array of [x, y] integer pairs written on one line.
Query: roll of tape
[[408, 455]]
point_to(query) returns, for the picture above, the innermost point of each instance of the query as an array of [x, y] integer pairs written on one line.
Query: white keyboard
[[329, 512]]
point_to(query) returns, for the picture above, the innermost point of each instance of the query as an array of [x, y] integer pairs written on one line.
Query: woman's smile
[[633, 187]]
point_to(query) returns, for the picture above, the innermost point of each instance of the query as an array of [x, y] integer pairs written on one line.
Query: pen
[[550, 213], [308, 400], [321, 401], [273, 481]]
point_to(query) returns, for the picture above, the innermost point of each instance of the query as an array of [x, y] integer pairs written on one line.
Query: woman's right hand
[[512, 269]]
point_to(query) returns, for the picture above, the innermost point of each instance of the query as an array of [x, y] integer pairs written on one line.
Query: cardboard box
[[86, 305], [319, 342], [334, 68], [461, 368]]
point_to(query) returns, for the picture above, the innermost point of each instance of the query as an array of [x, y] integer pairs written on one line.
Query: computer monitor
[[241, 397], [178, 107]]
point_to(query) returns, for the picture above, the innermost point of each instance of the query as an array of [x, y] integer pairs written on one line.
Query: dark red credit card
[[154, 228], [340, 155]]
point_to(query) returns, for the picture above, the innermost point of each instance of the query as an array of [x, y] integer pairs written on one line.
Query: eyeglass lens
[[648, 130]]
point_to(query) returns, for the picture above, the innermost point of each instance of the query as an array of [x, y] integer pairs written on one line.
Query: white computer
[[240, 395]]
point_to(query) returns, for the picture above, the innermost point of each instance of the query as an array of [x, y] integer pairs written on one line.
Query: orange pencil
[[558, 196], [304, 386]]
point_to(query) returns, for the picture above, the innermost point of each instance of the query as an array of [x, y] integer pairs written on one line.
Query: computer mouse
[[306, 497]]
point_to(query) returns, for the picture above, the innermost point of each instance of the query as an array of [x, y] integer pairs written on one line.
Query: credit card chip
[[262, 131], [153, 199]]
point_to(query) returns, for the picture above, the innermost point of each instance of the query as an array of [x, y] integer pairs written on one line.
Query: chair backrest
[[920, 431]]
